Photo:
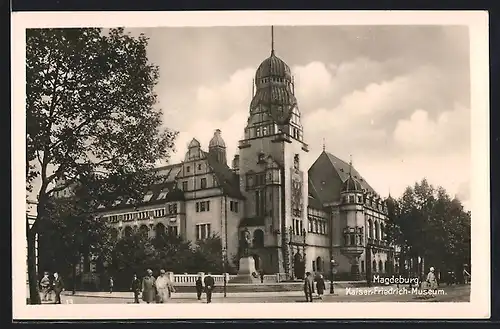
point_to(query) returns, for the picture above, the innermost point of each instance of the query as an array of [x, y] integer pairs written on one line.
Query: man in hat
[[309, 287], [45, 286], [148, 287], [164, 287], [209, 286]]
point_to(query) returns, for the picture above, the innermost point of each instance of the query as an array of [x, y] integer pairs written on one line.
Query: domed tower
[[276, 200], [352, 210], [217, 147], [273, 109]]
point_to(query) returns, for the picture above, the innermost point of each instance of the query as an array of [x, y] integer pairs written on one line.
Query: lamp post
[[304, 232], [224, 255], [333, 264], [290, 234]]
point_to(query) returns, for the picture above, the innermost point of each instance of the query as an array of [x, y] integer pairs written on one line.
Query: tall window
[[202, 231], [185, 186], [260, 203], [203, 183], [233, 206], [370, 228]]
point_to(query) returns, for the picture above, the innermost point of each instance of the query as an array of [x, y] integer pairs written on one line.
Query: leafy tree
[[172, 253], [73, 231], [132, 254], [90, 115], [426, 222], [208, 256]]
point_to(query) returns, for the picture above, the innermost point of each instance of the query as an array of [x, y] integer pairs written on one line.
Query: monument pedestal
[[246, 272]]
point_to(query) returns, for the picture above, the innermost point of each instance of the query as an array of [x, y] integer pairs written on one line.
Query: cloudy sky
[[395, 97]]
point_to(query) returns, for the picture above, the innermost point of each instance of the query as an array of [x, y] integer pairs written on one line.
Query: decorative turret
[[217, 147], [236, 164]]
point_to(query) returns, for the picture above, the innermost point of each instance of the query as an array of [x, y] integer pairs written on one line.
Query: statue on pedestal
[[245, 243]]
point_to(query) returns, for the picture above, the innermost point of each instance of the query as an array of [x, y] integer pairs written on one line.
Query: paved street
[[449, 294]]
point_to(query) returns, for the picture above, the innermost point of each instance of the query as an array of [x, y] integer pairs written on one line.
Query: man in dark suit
[[199, 287], [209, 286], [136, 288], [309, 287], [58, 287]]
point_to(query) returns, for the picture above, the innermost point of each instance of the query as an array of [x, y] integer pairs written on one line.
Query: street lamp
[[304, 249], [333, 264], [224, 255], [290, 229]]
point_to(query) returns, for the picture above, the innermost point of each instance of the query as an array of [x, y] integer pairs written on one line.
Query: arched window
[[370, 228], [382, 231], [377, 230], [144, 231], [374, 265], [160, 229], [258, 238], [319, 264], [380, 266], [128, 231]]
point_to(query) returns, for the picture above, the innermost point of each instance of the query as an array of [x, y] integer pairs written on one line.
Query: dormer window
[[261, 157]]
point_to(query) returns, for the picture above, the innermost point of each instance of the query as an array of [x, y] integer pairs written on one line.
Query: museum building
[[299, 219]]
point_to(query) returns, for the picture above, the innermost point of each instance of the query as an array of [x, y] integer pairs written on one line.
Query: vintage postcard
[[317, 161]]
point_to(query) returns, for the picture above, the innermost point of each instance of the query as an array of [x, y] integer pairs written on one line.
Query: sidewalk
[[189, 295]]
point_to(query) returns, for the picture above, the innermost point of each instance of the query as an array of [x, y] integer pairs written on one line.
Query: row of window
[[202, 206], [376, 230], [298, 227], [143, 214], [317, 225], [367, 201], [188, 168], [256, 180]]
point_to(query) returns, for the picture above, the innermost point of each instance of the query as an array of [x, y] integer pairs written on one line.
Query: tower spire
[[272, 40], [350, 165]]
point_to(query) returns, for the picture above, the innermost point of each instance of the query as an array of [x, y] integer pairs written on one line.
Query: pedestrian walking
[[308, 287], [199, 287], [58, 287], [136, 288], [164, 287], [111, 284], [431, 282], [320, 286], [148, 287], [45, 286], [209, 286], [261, 276]]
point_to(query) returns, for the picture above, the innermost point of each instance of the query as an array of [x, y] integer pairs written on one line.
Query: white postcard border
[[479, 305]]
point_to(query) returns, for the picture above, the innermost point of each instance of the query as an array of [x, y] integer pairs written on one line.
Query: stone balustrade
[[190, 279]]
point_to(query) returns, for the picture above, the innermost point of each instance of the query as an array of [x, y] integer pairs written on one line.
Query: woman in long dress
[[148, 288]]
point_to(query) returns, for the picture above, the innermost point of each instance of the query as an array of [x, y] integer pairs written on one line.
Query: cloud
[[390, 118], [421, 133]]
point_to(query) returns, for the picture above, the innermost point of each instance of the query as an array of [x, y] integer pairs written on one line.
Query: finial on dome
[[272, 40], [253, 87], [324, 146], [350, 165]]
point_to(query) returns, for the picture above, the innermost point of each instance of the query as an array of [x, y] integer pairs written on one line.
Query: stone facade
[[298, 218]]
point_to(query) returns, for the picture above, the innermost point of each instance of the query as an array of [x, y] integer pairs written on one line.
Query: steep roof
[[226, 178], [327, 176]]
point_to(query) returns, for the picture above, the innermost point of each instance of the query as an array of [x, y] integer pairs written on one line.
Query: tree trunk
[[32, 272]]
